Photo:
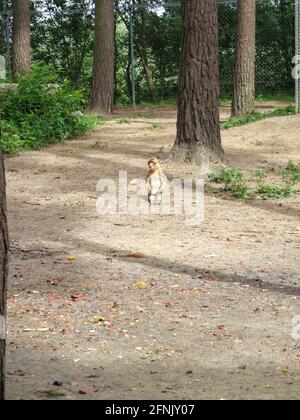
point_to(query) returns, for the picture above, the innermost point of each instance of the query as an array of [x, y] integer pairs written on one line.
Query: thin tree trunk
[[102, 93], [21, 37], [244, 80], [144, 53], [198, 128], [3, 275], [129, 69]]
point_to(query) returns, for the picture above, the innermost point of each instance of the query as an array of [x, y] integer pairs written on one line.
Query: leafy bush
[[274, 192], [41, 112], [234, 181], [10, 138], [292, 173], [238, 184]]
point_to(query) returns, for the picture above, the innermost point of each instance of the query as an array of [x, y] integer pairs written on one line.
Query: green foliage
[[172, 102], [292, 173], [234, 182], [238, 184], [274, 192], [10, 138], [226, 175], [123, 121], [52, 394], [41, 112], [158, 126], [280, 97], [257, 116], [62, 34]]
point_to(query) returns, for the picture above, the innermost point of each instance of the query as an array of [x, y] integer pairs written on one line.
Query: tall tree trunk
[[102, 93], [198, 127], [3, 275], [244, 80], [21, 37], [144, 53], [129, 69]]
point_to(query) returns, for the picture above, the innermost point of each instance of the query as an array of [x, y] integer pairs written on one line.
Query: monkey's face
[[152, 166]]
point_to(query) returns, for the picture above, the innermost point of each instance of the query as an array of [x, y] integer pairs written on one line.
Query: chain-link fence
[[149, 42]]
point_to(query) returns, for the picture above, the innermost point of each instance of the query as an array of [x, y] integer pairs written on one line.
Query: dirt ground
[[214, 318]]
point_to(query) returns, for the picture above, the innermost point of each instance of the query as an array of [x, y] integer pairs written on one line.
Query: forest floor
[[147, 307]]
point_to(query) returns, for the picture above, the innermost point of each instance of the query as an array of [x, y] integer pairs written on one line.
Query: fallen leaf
[[135, 255], [97, 320], [140, 284], [77, 298]]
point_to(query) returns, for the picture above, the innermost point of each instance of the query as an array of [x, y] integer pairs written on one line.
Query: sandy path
[[215, 317]]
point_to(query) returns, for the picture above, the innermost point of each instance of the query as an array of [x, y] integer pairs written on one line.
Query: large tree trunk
[[3, 275], [102, 94], [21, 37], [244, 80], [198, 128]]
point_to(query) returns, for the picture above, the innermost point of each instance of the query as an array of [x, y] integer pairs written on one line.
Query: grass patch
[[257, 116], [124, 121], [165, 103], [158, 126], [263, 98], [52, 394], [275, 192], [292, 173], [239, 184], [234, 181], [271, 97]]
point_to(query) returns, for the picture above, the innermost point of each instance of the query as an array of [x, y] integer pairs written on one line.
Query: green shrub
[[234, 181], [292, 173], [274, 192], [10, 139], [41, 112], [238, 184]]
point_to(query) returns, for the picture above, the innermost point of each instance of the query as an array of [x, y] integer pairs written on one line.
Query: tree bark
[[244, 80], [102, 93], [21, 37], [198, 127], [3, 274]]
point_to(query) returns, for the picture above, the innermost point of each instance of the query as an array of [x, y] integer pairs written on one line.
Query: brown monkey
[[156, 181]]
